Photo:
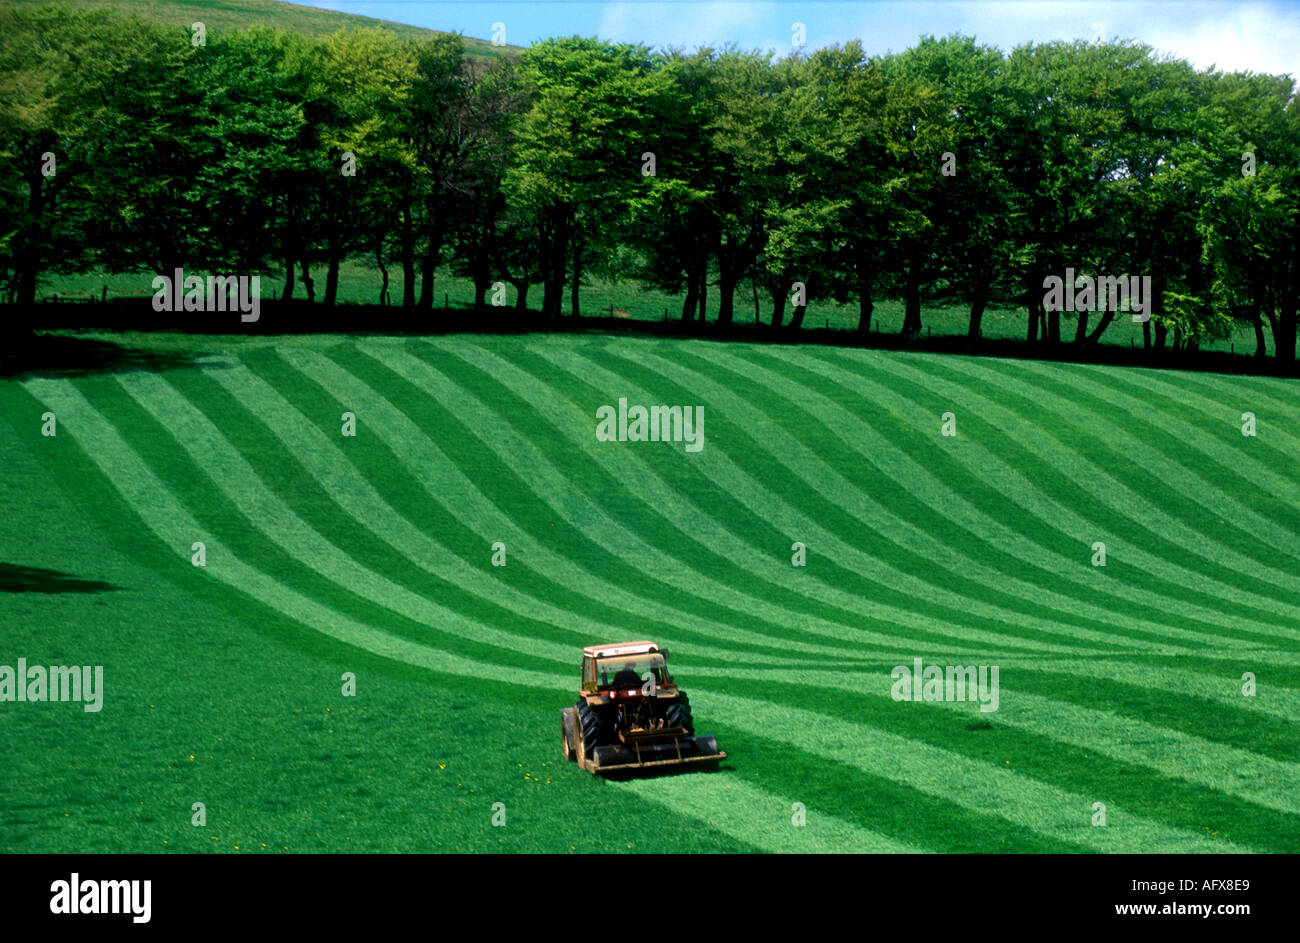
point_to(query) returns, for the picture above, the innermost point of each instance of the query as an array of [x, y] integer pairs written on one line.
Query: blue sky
[[1263, 36]]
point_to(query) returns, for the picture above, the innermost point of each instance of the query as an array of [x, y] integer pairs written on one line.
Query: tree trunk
[[25, 292], [1161, 333], [1284, 341], [575, 304], [692, 297], [1261, 348], [288, 280], [704, 293], [1054, 327], [727, 297], [1081, 328], [554, 264], [1106, 317], [866, 304], [27, 259], [912, 303], [428, 268], [408, 261], [778, 304], [332, 280], [307, 281], [796, 316], [521, 294], [977, 306]]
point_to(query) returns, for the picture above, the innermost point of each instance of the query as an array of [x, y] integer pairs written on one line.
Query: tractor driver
[[627, 677]]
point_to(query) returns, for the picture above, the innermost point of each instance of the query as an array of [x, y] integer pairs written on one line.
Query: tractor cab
[[626, 669]]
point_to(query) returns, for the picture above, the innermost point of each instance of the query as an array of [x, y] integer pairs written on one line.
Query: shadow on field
[[302, 317], [59, 355], [658, 772], [31, 579]]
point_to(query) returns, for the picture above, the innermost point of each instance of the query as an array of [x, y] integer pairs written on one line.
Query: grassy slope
[[240, 14], [370, 555]]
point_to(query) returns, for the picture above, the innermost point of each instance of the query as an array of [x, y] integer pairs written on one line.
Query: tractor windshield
[[630, 671]]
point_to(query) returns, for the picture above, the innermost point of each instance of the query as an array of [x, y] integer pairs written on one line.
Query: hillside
[[239, 14]]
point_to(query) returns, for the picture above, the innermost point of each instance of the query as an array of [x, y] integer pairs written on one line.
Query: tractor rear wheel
[[595, 729], [678, 714]]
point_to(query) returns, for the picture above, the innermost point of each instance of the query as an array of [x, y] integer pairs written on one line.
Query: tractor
[[631, 715]]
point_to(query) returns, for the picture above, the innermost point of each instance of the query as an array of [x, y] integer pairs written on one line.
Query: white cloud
[[1260, 36]]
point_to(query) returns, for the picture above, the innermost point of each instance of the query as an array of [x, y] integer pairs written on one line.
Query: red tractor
[[631, 715]]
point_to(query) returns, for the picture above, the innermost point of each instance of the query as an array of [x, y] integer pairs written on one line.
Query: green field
[[371, 554]]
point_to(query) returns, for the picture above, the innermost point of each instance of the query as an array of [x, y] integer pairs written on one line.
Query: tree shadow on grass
[[57, 356], [30, 579]]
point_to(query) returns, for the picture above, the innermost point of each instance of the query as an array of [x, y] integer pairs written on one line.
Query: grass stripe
[[972, 784], [1183, 502], [1190, 458], [520, 445], [955, 513], [405, 446], [736, 808], [1103, 491]]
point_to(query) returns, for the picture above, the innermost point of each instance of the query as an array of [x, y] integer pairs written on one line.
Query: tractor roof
[[620, 648]]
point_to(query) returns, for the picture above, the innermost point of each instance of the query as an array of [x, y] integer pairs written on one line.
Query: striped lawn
[[1119, 685]]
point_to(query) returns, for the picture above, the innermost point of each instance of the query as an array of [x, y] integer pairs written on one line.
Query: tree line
[[950, 173]]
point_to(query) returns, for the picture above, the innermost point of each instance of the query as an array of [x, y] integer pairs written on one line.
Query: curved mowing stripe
[[1225, 690], [356, 497], [1044, 506], [511, 489], [730, 480], [918, 480], [1049, 402], [681, 507], [1103, 489], [151, 499], [146, 494], [244, 487], [574, 506], [1185, 475], [938, 772], [971, 784], [768, 505], [1217, 389], [760, 818], [1258, 779], [420, 455], [1274, 436]]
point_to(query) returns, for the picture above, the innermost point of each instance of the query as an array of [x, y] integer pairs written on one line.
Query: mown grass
[[216, 693]]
